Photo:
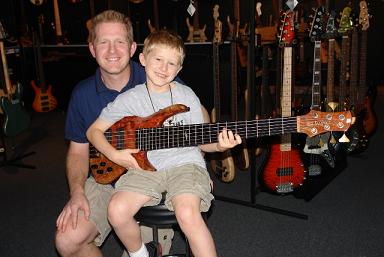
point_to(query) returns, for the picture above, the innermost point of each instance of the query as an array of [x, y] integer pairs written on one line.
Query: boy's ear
[[181, 67], [142, 59]]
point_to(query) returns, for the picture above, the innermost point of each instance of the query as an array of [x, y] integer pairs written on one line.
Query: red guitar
[[147, 133], [44, 100], [284, 170]]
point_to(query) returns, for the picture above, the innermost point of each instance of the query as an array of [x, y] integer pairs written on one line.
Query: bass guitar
[[317, 146], [222, 164], [147, 133], [284, 170], [44, 100], [196, 34], [365, 100], [16, 119]]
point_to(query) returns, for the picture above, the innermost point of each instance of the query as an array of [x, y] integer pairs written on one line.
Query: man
[[83, 224]]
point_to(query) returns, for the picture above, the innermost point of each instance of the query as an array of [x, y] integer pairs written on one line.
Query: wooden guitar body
[[44, 100], [284, 170], [369, 117]]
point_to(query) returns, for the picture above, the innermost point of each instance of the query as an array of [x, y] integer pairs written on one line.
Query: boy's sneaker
[[154, 249]]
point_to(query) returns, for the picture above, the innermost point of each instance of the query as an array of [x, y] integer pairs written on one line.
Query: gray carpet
[[344, 215]]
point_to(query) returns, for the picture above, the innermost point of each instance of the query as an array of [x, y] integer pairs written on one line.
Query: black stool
[[159, 216]]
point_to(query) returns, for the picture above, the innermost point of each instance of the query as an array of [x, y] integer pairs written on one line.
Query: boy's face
[[111, 47], [162, 64]]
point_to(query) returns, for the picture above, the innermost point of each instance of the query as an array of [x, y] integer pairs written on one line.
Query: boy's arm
[[96, 137], [226, 141]]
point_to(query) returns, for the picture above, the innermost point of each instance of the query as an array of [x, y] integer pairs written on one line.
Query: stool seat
[[157, 215]]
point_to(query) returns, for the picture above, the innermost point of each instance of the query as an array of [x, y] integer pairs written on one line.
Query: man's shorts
[[99, 196], [188, 178]]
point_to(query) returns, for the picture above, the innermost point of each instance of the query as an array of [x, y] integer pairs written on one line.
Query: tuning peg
[[332, 140], [344, 139]]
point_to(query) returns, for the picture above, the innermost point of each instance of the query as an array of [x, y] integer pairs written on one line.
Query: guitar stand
[[253, 203], [14, 161], [250, 87]]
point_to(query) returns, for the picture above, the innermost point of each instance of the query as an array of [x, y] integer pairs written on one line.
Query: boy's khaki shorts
[[188, 178], [98, 196]]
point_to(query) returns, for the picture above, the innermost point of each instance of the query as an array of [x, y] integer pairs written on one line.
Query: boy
[[181, 172]]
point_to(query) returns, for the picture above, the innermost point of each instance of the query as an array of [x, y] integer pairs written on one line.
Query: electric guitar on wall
[[364, 100], [196, 34], [284, 170], [318, 145], [222, 164], [240, 153], [141, 132], [44, 100], [345, 26], [16, 119], [60, 39]]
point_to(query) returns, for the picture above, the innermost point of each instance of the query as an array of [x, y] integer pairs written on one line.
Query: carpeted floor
[[344, 212]]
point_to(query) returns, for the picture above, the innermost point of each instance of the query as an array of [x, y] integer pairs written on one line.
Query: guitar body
[[284, 170], [358, 139], [369, 119], [44, 101], [16, 119]]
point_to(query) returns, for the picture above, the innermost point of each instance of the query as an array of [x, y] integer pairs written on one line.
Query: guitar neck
[[286, 98], [353, 87], [198, 134], [316, 79], [362, 67], [5, 71], [216, 81], [330, 70], [234, 115], [57, 18], [343, 70]]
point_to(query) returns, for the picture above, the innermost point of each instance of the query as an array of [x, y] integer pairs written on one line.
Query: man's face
[[111, 48]]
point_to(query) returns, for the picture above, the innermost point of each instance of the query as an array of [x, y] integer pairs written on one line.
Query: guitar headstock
[[316, 122], [217, 25], [330, 30], [363, 16], [3, 35], [287, 29], [317, 24], [346, 23]]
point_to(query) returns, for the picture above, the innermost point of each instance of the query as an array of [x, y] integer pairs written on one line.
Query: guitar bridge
[[284, 188]]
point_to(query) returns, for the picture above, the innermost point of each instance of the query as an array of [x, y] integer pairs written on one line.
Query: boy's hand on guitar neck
[[227, 140]]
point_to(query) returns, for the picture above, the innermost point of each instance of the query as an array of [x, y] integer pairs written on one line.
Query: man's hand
[[70, 212]]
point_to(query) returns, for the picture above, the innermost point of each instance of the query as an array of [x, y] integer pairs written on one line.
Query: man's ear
[[133, 48], [92, 49], [142, 59]]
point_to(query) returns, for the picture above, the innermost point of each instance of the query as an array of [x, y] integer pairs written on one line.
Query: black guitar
[[318, 145], [16, 119]]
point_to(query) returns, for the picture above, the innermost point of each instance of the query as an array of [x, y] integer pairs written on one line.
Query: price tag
[[191, 9]]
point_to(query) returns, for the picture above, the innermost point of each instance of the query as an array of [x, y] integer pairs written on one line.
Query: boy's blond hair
[[166, 38], [111, 16]]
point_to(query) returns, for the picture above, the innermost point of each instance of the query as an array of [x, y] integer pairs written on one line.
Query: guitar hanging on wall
[[318, 145], [44, 100], [284, 170], [60, 39], [221, 163], [16, 119], [196, 34]]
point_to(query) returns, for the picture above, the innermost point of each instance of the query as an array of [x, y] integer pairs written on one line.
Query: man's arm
[[77, 173]]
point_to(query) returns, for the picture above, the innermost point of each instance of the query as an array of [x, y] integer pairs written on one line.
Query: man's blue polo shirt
[[88, 99]]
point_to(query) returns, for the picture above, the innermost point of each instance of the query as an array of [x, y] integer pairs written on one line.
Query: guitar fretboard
[[316, 80], [197, 134]]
